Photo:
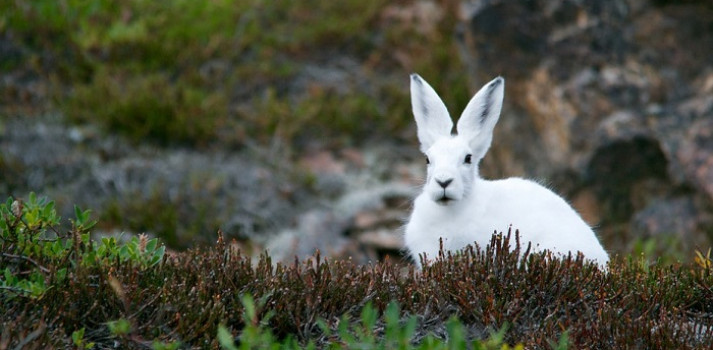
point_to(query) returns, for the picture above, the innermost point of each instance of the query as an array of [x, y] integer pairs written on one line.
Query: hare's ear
[[432, 118], [480, 115]]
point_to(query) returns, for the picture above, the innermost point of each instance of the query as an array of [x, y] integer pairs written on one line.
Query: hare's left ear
[[432, 118], [478, 120]]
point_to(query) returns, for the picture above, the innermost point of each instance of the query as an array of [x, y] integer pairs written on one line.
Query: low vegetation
[[223, 74], [59, 288], [198, 73]]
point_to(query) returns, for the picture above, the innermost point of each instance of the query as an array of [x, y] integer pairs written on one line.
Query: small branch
[[18, 291], [32, 336], [12, 256]]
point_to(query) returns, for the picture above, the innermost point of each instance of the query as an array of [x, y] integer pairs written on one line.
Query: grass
[[149, 107], [60, 287], [200, 73]]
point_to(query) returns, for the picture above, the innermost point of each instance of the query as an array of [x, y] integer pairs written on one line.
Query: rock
[[384, 239], [671, 216], [322, 162], [363, 225], [587, 205], [696, 155], [187, 194], [608, 98], [316, 230], [675, 216]]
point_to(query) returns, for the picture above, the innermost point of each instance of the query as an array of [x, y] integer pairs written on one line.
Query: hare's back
[[531, 207], [542, 217]]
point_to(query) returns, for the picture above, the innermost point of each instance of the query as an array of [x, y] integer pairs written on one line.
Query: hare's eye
[[468, 159], [428, 161]]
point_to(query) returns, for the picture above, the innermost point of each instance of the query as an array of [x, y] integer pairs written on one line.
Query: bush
[[61, 288]]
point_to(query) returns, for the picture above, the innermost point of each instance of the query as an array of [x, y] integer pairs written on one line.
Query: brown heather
[[187, 296]]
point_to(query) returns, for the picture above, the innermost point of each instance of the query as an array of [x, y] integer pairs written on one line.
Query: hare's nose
[[445, 183]]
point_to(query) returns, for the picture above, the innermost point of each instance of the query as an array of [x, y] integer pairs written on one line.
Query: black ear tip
[[415, 77], [497, 81]]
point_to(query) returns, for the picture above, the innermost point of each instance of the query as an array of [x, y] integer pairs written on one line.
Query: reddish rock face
[[606, 98]]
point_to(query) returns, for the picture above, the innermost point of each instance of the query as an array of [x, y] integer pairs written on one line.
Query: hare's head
[[453, 158]]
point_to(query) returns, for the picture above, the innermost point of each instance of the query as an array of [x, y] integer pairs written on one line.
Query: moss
[[142, 68], [148, 107], [322, 114]]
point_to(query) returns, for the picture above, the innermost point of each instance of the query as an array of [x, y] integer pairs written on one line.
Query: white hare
[[460, 207]]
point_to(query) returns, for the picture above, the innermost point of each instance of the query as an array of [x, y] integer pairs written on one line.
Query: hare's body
[[460, 208], [476, 219]]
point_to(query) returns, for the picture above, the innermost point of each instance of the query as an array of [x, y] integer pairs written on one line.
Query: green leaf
[[48, 210], [456, 334], [8, 275], [563, 343], [79, 215], [119, 327], [90, 224], [61, 274], [368, 318], [151, 245], [124, 253], [157, 256], [78, 337], [324, 327], [157, 345], [249, 305], [226, 339], [410, 328], [391, 316], [343, 330]]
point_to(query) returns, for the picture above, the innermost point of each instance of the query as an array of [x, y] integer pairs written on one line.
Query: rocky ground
[[609, 102], [350, 202]]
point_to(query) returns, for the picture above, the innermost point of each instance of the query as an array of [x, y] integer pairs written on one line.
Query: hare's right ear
[[480, 115], [432, 118]]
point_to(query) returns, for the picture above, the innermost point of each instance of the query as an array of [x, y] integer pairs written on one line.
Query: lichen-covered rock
[[682, 218], [608, 97], [187, 195], [364, 225]]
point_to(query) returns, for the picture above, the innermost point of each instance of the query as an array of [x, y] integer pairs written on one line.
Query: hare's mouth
[[444, 200]]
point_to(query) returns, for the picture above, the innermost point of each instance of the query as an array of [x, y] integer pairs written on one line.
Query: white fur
[[470, 209]]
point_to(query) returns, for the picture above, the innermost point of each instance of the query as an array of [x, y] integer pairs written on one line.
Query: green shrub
[[36, 255], [60, 282], [78, 340], [392, 333]]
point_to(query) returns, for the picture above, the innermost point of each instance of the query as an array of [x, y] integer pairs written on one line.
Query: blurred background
[[287, 124]]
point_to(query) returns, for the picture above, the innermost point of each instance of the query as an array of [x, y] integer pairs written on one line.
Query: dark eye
[[428, 161], [468, 159]]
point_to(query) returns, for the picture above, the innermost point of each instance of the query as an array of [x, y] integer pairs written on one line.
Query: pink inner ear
[[432, 118], [478, 120]]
